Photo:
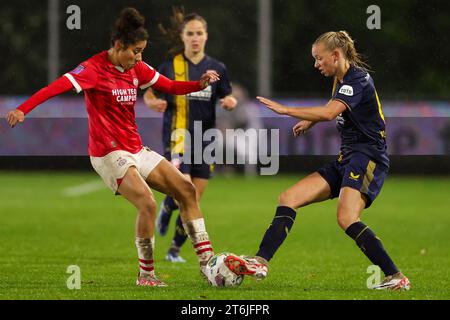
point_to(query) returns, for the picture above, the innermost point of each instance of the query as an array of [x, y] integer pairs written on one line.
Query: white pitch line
[[84, 188]]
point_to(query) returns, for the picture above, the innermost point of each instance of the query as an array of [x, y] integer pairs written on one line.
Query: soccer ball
[[218, 273]]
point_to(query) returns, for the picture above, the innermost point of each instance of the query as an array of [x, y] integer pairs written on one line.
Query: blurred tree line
[[409, 54]]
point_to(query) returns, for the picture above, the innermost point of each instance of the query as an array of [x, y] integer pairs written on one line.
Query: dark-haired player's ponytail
[[129, 28], [171, 34]]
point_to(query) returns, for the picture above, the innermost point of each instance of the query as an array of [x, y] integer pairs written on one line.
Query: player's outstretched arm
[[55, 88], [322, 113], [166, 85]]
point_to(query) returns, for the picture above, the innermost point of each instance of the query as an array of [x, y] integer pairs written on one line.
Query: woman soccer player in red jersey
[[356, 177], [110, 80]]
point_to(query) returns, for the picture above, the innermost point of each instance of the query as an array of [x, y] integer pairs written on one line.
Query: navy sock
[[180, 236], [372, 247], [170, 204], [277, 232]]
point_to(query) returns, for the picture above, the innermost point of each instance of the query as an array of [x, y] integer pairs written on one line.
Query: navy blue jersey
[[361, 125], [182, 111]]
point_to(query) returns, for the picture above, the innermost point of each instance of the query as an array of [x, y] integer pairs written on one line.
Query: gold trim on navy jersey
[[334, 90], [334, 86], [180, 119], [345, 103], [380, 110]]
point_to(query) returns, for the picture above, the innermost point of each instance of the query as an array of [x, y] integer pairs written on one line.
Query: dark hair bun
[[129, 27], [130, 19]]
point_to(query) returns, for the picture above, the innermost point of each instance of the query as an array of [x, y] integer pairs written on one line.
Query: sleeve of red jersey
[[146, 75], [149, 77], [55, 88], [83, 77]]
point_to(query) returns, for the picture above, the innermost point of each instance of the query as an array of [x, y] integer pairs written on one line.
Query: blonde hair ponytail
[[341, 39]]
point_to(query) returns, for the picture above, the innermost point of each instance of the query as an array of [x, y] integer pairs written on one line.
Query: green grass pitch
[[43, 231]]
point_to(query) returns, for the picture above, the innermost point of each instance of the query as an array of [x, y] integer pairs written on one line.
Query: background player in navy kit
[[357, 176], [188, 36]]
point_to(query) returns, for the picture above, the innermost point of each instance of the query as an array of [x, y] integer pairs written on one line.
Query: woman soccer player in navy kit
[[110, 81], [357, 176], [188, 35]]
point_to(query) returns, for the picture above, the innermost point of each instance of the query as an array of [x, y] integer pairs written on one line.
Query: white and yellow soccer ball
[[218, 273]]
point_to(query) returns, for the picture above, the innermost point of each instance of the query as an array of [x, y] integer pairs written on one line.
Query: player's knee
[[288, 199], [147, 204], [186, 191], [345, 220], [283, 199]]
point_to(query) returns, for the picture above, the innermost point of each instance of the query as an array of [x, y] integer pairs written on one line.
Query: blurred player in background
[[246, 117], [187, 36], [357, 176], [110, 81]]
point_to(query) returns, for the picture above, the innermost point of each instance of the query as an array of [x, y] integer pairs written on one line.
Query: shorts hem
[[116, 192], [154, 166]]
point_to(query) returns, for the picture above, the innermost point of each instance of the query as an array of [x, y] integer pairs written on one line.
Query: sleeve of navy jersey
[[349, 93], [224, 86]]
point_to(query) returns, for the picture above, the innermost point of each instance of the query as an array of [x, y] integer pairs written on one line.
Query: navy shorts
[[202, 170], [359, 172]]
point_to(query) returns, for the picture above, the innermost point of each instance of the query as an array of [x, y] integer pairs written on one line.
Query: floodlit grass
[[43, 231]]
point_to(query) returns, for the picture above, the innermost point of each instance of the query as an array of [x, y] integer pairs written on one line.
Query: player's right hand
[[301, 127], [159, 105], [15, 116], [210, 76]]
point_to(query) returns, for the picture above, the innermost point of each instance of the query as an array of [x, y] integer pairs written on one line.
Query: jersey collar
[[349, 75], [195, 64], [111, 65], [120, 69]]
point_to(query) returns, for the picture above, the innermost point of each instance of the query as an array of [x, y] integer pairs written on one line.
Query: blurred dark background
[[409, 54]]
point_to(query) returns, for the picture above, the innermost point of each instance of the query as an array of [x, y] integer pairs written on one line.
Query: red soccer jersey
[[110, 93]]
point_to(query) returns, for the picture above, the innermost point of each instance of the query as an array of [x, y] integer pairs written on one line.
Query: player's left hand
[[208, 77], [272, 105], [15, 116], [228, 103], [301, 127]]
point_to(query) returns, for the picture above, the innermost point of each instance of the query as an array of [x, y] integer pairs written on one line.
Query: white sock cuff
[[143, 242], [144, 248], [195, 226]]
